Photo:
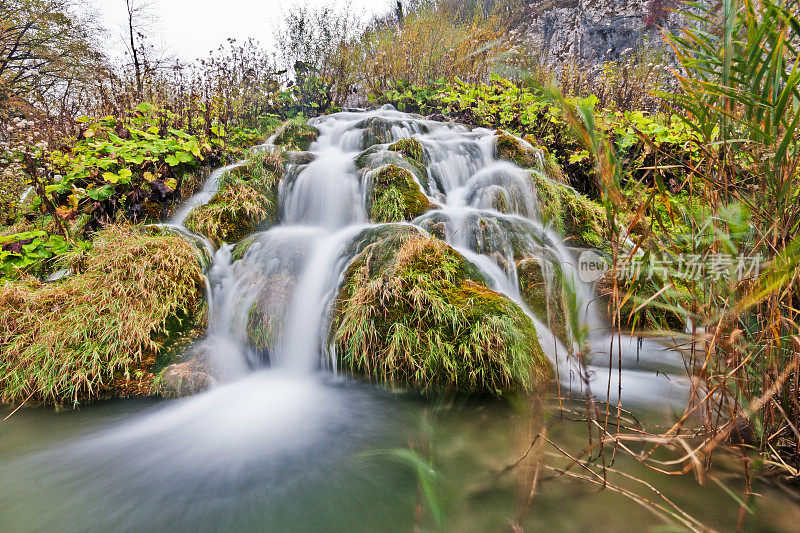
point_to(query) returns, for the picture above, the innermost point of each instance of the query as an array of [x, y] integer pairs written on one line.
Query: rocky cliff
[[596, 30]]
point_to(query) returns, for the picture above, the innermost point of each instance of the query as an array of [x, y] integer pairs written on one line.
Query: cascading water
[[275, 424]]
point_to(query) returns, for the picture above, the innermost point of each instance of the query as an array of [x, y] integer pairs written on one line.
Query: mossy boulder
[[246, 201], [298, 158], [378, 156], [395, 196], [409, 313], [267, 314], [99, 332], [295, 134], [410, 148], [516, 150], [582, 220]]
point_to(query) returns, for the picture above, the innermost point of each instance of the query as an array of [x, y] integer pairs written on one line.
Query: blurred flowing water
[[284, 442]]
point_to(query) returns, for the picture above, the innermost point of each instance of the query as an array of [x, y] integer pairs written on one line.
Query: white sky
[[191, 28]]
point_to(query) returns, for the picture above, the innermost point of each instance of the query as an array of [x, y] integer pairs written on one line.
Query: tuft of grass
[[69, 340], [247, 199], [411, 315], [296, 134], [395, 196]]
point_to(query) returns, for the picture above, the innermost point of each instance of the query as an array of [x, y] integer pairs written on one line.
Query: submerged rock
[[413, 311], [183, 379], [295, 134], [542, 294], [394, 195], [267, 315]]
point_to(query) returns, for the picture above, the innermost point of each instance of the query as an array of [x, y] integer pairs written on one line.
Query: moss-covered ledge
[[246, 201]]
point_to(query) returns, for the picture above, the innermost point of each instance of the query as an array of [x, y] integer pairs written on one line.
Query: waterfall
[[286, 278]]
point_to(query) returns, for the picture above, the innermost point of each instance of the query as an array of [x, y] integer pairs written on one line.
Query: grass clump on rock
[[246, 201], [102, 328], [410, 148], [411, 313], [296, 134], [395, 196]]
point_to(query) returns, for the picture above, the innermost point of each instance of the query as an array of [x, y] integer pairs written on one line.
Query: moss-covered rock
[[582, 220], [99, 332], [410, 313], [516, 150], [395, 196], [377, 156], [294, 157], [410, 148], [295, 134], [183, 379], [246, 201], [542, 295]]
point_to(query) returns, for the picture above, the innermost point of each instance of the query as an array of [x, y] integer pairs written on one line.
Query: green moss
[[410, 148], [377, 157], [100, 330], [246, 201], [515, 150], [579, 218], [408, 314], [395, 196], [541, 295], [296, 134]]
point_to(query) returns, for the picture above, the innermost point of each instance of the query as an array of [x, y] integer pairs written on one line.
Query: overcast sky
[[191, 28]]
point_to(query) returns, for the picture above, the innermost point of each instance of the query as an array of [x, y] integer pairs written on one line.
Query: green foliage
[[408, 313], [28, 251], [73, 339]]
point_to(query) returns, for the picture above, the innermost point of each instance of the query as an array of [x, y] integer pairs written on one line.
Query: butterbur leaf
[[172, 160], [149, 177], [124, 175], [110, 177], [171, 184]]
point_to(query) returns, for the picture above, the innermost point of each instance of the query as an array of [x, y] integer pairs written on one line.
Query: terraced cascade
[[405, 251]]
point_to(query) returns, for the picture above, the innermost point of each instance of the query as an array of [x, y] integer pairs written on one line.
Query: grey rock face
[[594, 31]]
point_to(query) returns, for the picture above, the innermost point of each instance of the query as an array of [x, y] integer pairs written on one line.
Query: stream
[[286, 441]]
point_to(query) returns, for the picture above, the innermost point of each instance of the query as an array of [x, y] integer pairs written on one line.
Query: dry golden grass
[[66, 341]]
